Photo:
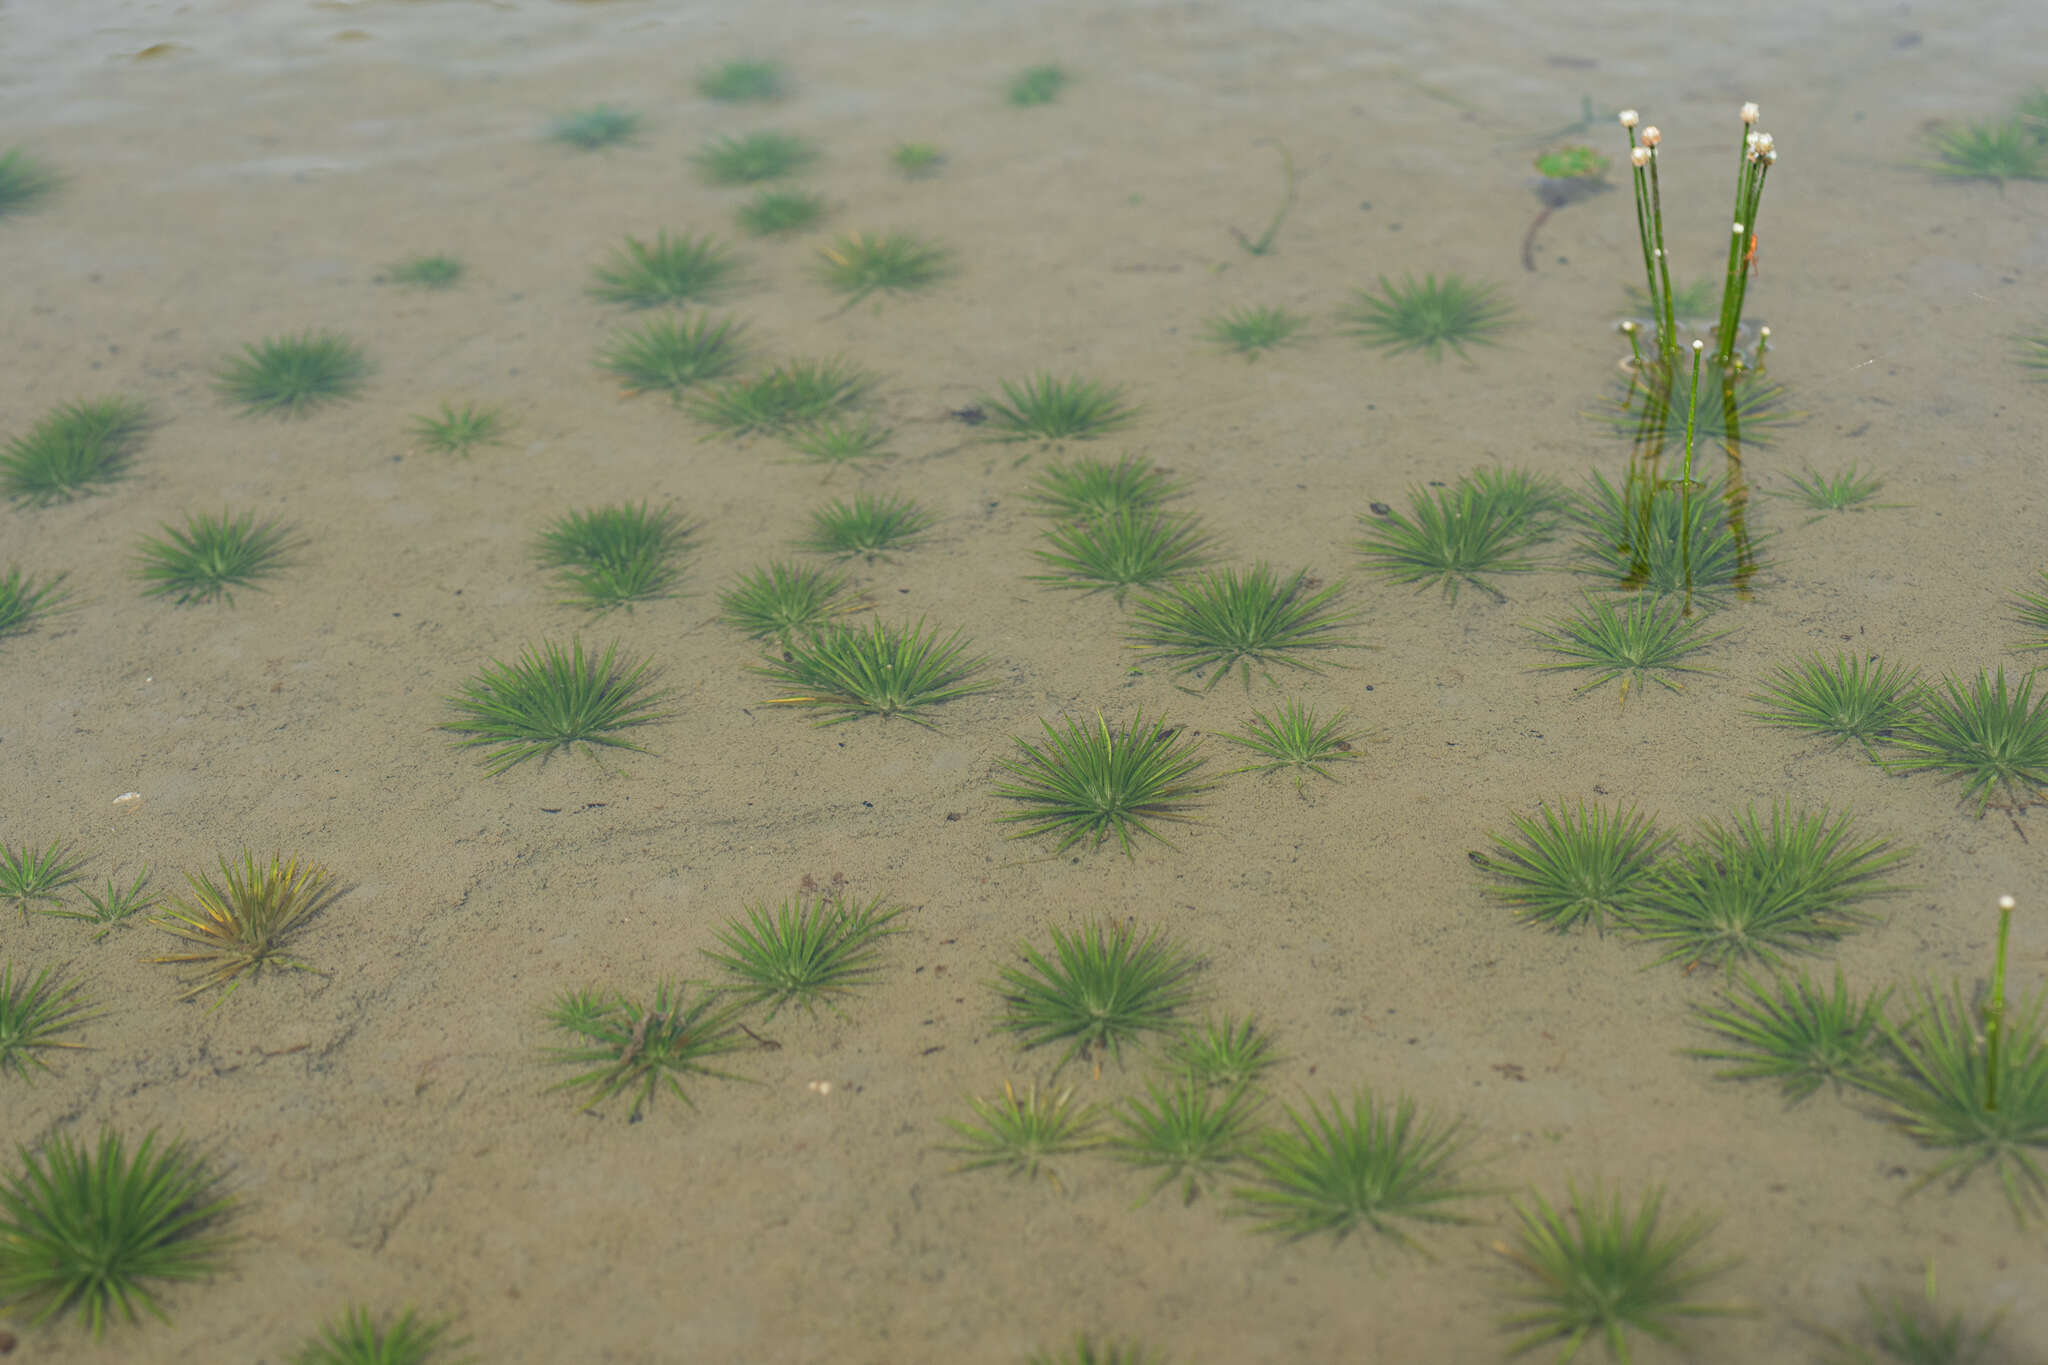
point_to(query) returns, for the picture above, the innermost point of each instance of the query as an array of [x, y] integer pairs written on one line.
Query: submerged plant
[[2032, 352], [242, 922], [756, 157], [72, 451], [424, 272], [881, 671], [777, 213], [552, 698], [782, 599], [1133, 548], [669, 269], [1294, 738], [114, 906], [2031, 611], [1227, 1052], [671, 354], [1986, 737], [209, 555], [1998, 151], [1640, 641], [1910, 1328], [1252, 331], [809, 949], [1225, 619], [1482, 525], [1089, 489], [1859, 699], [1968, 1080], [1085, 1350], [92, 1228], [1022, 1133], [742, 81], [608, 557], [1795, 1033], [1049, 409], [858, 265], [1036, 85], [1378, 1166], [457, 431], [628, 1046], [1427, 317], [796, 393], [24, 601], [290, 376], [916, 160], [1665, 537], [33, 1011], [869, 527], [28, 876], [1846, 490], [1091, 782], [1747, 891], [1600, 1273], [355, 1338], [1100, 989], [600, 125], [841, 442], [1564, 868], [1187, 1132], [24, 181]]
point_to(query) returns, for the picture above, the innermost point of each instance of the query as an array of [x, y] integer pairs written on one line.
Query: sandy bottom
[[386, 1121]]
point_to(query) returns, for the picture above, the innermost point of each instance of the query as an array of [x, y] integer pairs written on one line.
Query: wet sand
[[386, 1121]]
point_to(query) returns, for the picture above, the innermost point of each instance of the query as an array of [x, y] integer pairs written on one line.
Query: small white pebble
[[821, 1087], [127, 798]]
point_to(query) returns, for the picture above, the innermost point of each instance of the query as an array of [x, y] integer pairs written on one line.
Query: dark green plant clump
[[72, 451], [1846, 490], [1859, 699], [608, 557], [742, 81], [809, 949], [669, 269], [1086, 783], [1228, 619], [841, 442], [1090, 489], [1293, 738], [881, 671], [425, 272], [1187, 1131], [1740, 408], [1252, 331], [33, 1011], [1565, 867], [24, 181], [1483, 524], [1599, 1272], [869, 527], [552, 698], [1987, 737], [1226, 1052], [1022, 1133], [290, 376], [458, 431], [1427, 317], [860, 264], [1100, 988], [356, 1338], [778, 213], [1642, 640], [1667, 538], [24, 601], [782, 599], [1795, 1033], [599, 126], [1036, 85], [202, 560], [28, 876], [627, 1046], [1136, 548], [1049, 409], [1378, 1166], [756, 157], [95, 1229], [669, 355], [1910, 1328], [796, 393]]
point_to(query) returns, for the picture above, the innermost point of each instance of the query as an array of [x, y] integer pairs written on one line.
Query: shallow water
[[386, 1121]]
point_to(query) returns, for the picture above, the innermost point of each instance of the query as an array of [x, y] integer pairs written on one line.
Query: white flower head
[[1627, 327], [1698, 345], [1764, 142], [2007, 903], [1738, 229], [1628, 118], [1771, 158], [1651, 137], [1764, 332], [1749, 113], [1639, 157]]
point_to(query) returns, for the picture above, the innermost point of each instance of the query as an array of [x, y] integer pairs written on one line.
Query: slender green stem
[[1643, 227], [1737, 236], [1692, 411], [1994, 1011], [1668, 341], [1635, 352]]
